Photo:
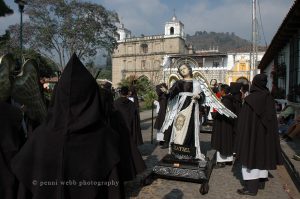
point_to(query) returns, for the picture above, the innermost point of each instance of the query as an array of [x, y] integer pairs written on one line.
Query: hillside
[[225, 42]]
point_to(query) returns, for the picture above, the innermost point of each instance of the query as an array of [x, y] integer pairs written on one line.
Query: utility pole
[[253, 54]]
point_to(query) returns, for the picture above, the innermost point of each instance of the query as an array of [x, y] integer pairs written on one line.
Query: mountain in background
[[224, 42]]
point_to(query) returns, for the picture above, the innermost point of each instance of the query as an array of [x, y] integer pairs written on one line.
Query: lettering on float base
[[182, 149]]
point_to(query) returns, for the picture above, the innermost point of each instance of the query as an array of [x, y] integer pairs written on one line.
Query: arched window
[[144, 48], [172, 31]]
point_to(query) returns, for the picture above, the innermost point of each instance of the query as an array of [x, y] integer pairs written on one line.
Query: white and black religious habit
[[162, 100], [258, 147], [222, 136]]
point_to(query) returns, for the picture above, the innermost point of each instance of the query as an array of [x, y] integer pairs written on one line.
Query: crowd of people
[[87, 144], [86, 147], [251, 137]]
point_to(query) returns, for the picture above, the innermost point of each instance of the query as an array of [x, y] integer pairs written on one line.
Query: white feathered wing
[[211, 99]]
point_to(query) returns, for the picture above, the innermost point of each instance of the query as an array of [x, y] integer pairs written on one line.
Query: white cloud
[[235, 16], [140, 16], [149, 17]]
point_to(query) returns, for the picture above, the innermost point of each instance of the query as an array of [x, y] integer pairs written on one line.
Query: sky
[[148, 17]]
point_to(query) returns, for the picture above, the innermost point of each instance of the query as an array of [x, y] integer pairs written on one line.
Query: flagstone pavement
[[223, 182]]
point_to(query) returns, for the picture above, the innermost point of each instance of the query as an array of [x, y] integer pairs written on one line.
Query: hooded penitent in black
[[131, 161], [130, 114], [162, 99], [257, 140], [73, 146], [11, 140], [222, 137], [235, 90]]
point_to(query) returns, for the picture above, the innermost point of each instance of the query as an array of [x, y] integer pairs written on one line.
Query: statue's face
[[184, 70]]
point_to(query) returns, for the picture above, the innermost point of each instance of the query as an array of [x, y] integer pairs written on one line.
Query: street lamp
[[21, 4]]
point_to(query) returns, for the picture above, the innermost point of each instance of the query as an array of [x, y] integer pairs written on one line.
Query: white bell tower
[[174, 28], [123, 33]]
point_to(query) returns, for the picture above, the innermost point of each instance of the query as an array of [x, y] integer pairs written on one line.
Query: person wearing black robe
[[130, 114], [162, 100], [131, 161], [11, 140], [258, 147], [134, 95], [222, 136], [73, 154], [235, 90]]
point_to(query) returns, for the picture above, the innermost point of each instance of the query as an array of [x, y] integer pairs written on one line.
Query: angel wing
[[26, 90], [6, 71], [211, 100]]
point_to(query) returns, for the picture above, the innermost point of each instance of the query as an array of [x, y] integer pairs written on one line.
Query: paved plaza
[[223, 182]]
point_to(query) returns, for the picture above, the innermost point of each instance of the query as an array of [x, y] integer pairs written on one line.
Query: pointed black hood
[[77, 100]]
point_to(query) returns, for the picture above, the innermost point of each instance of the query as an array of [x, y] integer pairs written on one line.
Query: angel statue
[[181, 126], [22, 89]]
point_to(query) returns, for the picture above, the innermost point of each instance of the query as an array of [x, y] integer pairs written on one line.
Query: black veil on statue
[[72, 144]]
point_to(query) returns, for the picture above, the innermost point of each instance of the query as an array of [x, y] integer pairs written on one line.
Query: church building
[[143, 56]]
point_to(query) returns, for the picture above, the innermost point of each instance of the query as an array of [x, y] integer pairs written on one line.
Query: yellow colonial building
[[238, 66]]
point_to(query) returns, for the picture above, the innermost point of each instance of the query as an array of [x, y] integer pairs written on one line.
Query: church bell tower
[[174, 28]]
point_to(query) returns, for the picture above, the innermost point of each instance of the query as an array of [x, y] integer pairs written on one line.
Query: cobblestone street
[[223, 182]]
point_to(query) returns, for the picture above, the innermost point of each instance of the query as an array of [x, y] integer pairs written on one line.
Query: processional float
[[199, 168]]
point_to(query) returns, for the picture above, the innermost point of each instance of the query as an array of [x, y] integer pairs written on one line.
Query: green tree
[[144, 87], [46, 66], [60, 28], [106, 73]]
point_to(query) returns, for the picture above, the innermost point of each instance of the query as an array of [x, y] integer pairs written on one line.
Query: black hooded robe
[[72, 146], [222, 137], [258, 144], [162, 100], [131, 161], [130, 113], [235, 90]]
